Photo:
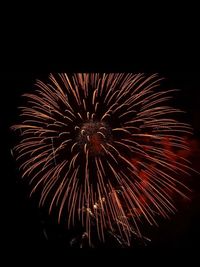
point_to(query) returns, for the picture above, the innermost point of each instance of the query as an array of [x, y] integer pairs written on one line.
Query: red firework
[[104, 149]]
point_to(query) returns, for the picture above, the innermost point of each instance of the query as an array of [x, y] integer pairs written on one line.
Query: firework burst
[[102, 148]]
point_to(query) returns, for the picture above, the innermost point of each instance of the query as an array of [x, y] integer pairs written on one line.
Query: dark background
[[154, 37], [25, 224]]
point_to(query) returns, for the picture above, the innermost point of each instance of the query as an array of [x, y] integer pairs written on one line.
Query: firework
[[103, 149]]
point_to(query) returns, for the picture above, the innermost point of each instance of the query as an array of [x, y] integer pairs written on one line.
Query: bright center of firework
[[93, 136]]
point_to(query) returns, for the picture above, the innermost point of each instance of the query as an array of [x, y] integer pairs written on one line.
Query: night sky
[[23, 220], [158, 37]]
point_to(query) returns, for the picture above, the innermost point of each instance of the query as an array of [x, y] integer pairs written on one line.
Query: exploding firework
[[103, 150]]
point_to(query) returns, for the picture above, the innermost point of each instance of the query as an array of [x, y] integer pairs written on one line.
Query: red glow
[[95, 142]]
